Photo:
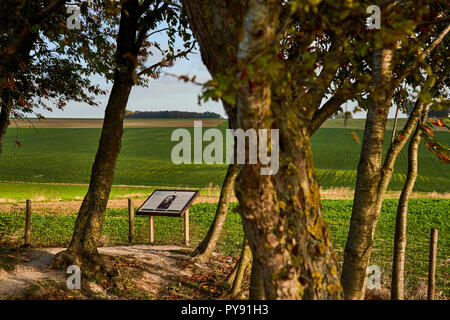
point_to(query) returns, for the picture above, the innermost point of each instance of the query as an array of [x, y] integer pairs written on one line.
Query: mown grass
[[66, 156], [56, 230]]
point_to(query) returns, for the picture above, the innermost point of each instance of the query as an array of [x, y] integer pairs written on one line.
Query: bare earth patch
[[147, 272]]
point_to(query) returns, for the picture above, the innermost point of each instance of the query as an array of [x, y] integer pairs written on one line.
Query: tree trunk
[[367, 200], [281, 213], [230, 278], [4, 116], [208, 18], [398, 265], [256, 282], [299, 210], [369, 194], [242, 266], [82, 250], [204, 250]]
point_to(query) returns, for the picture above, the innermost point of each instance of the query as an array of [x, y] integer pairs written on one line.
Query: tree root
[[236, 277], [90, 263]]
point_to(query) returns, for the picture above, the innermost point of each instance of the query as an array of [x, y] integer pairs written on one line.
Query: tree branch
[[396, 82], [317, 92], [146, 22], [37, 18], [149, 70], [341, 96], [400, 140]]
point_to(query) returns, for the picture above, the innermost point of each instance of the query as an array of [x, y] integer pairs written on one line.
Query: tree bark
[[367, 199], [256, 282], [242, 266], [398, 265], [282, 213], [82, 250], [204, 250], [230, 278]]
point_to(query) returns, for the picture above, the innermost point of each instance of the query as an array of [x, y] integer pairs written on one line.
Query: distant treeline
[[171, 114]]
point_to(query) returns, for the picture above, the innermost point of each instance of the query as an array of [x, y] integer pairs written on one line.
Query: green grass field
[[66, 156], [56, 230]]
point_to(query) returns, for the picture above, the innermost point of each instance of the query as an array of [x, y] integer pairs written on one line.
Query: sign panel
[[167, 203]]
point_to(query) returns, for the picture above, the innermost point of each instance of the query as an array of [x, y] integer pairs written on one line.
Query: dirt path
[[159, 266]]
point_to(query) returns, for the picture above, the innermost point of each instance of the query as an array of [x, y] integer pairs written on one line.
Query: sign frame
[[168, 214]]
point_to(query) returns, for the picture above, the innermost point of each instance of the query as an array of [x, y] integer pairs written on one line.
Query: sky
[[165, 93]]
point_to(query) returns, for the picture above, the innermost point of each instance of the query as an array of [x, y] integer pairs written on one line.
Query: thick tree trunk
[[298, 215], [90, 217], [204, 250], [256, 282], [398, 265], [82, 250], [368, 198], [88, 226], [282, 213]]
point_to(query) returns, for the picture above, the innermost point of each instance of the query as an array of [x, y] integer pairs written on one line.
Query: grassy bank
[[56, 230], [66, 156]]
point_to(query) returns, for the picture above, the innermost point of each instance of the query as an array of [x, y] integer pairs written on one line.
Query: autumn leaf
[[428, 130], [18, 144], [438, 122], [22, 102], [243, 75], [355, 137]]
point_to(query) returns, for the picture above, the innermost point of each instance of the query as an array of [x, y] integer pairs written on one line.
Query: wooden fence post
[[131, 221], [432, 263], [151, 229], [28, 224], [186, 228]]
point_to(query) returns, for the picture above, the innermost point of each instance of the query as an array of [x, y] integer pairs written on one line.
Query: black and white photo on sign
[[165, 204]]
